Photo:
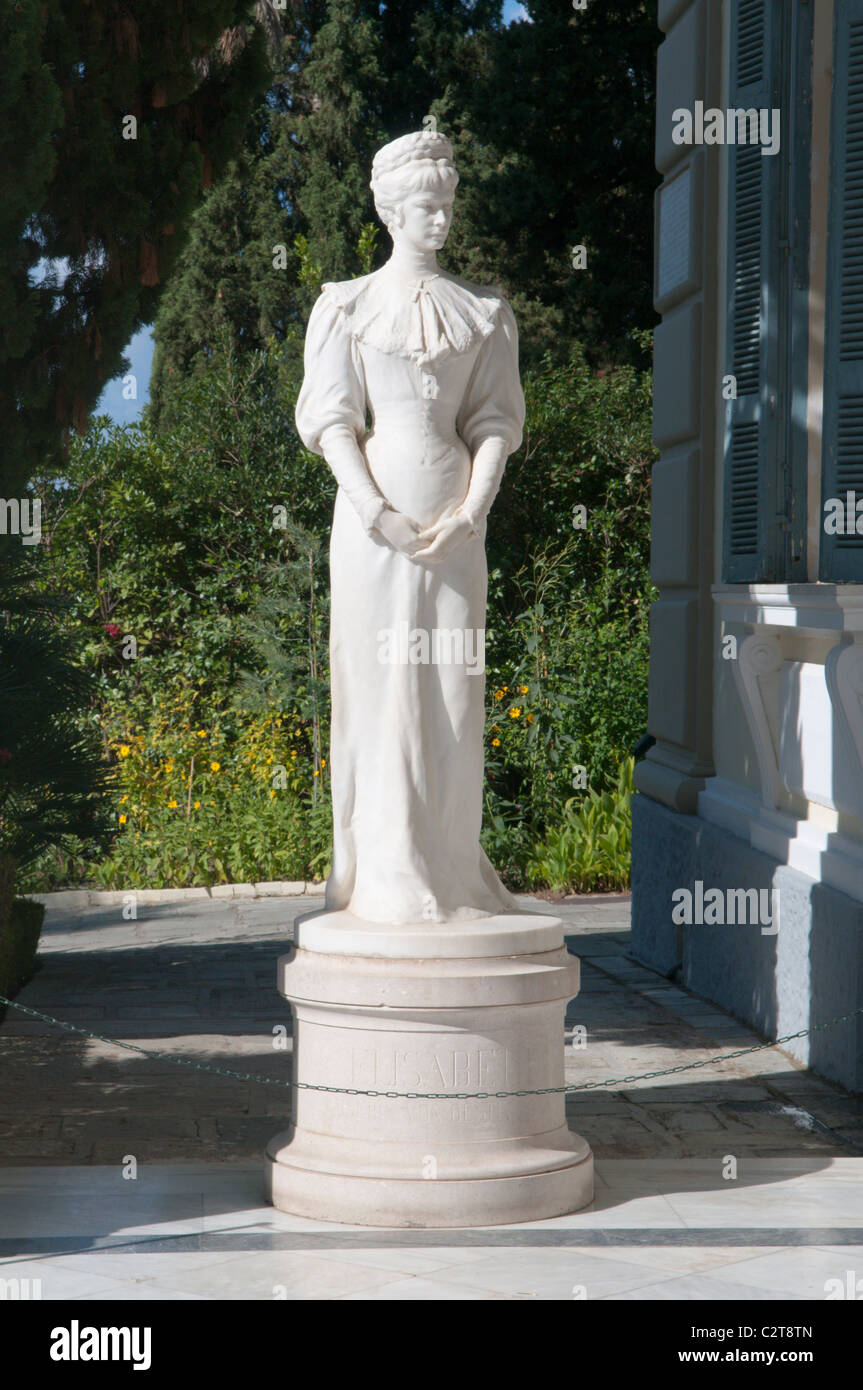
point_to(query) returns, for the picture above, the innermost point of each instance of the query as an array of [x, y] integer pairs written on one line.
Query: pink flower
[[112, 629]]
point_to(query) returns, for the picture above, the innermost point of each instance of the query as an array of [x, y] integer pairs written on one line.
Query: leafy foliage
[[51, 771], [19, 940], [209, 794], [591, 848], [207, 544]]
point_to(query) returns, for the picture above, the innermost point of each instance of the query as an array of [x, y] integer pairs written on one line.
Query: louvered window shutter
[[753, 532], [842, 471]]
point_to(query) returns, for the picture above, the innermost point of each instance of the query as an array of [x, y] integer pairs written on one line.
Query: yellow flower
[[125, 750], [122, 820], [495, 743], [498, 694], [515, 712], [323, 762], [214, 767], [272, 794], [169, 767], [523, 689], [197, 804], [202, 733], [316, 773], [172, 805], [530, 719], [123, 800]]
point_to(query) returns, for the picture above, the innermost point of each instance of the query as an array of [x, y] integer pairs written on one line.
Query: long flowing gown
[[434, 363]]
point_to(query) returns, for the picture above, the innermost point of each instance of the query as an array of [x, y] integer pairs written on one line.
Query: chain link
[[423, 1095]]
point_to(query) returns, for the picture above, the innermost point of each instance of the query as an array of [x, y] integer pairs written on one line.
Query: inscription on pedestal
[[392, 1069], [452, 1069], [417, 1114]]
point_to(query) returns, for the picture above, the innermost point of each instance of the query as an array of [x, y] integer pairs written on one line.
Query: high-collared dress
[[432, 364]]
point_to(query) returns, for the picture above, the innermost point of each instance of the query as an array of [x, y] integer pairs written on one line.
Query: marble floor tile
[[141, 1267], [802, 1276], [89, 1215], [422, 1291], [699, 1288], [405, 1261], [549, 1274], [138, 1292], [273, 1275], [687, 1259], [60, 1282]]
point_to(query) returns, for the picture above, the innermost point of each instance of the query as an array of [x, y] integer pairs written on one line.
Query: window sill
[[812, 607]]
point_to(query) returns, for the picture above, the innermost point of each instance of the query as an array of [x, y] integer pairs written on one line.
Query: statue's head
[[413, 182]]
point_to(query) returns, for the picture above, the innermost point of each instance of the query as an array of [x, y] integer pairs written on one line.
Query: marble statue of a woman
[[422, 982], [431, 362]]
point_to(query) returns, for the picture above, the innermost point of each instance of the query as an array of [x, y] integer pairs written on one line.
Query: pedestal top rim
[[504, 934]]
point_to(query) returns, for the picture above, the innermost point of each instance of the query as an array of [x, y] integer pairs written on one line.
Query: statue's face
[[425, 219]]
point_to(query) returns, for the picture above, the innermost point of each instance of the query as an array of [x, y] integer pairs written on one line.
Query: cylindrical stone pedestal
[[444, 1008]]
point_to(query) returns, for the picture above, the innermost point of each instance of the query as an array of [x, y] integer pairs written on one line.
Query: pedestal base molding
[[491, 1020]]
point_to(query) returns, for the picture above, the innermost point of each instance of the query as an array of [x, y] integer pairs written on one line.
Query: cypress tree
[[553, 134], [356, 74]]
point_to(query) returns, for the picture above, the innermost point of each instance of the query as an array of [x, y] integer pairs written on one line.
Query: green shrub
[[52, 774], [19, 939], [223, 796], [591, 848], [207, 544]]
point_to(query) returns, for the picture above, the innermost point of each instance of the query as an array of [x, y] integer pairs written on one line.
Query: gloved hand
[[443, 537], [400, 532]]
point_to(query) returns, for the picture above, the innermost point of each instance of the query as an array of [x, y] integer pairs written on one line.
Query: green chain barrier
[[422, 1095]]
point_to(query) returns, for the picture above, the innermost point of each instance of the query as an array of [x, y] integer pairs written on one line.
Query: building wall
[[756, 778], [787, 773], [685, 416]]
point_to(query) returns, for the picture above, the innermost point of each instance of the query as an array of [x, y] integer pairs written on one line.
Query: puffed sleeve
[[331, 407], [493, 406], [492, 415], [332, 392]]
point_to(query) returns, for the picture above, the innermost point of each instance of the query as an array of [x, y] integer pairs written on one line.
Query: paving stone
[[685, 1121], [196, 978]]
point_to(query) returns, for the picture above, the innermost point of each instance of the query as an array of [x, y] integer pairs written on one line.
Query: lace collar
[[426, 319]]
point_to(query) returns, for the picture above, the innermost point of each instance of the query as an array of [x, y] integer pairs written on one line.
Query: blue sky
[[111, 402], [140, 350]]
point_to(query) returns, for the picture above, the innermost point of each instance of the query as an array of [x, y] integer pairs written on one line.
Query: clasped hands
[[432, 543]]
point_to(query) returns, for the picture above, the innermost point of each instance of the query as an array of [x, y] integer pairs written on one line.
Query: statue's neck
[[412, 264]]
